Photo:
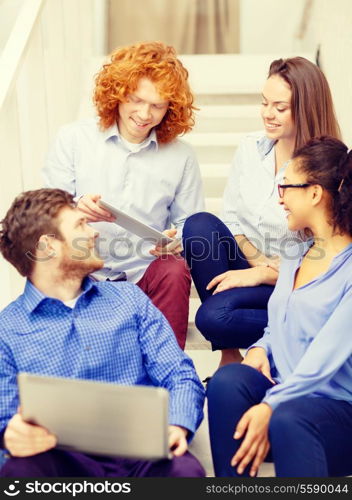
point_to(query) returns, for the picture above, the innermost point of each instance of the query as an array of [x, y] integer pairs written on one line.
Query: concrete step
[[215, 147], [230, 74], [216, 139], [239, 99], [213, 170], [228, 118], [195, 340], [214, 187], [194, 293], [194, 305], [213, 205], [214, 177]]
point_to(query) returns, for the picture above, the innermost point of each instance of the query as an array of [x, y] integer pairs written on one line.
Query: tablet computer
[[137, 227], [98, 418]]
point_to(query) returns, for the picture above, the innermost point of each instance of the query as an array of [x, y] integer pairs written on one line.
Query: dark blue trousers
[[233, 318], [309, 436]]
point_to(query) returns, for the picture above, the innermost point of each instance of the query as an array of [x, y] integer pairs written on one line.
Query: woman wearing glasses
[[234, 264], [292, 393]]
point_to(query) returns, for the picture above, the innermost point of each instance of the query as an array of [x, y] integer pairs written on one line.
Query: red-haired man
[[132, 158]]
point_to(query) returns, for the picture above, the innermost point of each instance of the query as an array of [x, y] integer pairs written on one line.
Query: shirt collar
[[33, 297], [265, 145], [113, 131]]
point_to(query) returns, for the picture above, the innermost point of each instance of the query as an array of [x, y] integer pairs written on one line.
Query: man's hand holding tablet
[[89, 205], [175, 247], [98, 210]]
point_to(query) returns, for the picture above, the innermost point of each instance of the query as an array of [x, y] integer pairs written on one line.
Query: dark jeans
[[309, 436], [59, 463], [233, 318]]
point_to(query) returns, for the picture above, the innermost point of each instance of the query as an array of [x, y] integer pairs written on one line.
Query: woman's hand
[[257, 359], [252, 276], [253, 426]]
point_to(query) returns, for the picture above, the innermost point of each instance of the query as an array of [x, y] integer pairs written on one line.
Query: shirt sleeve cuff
[[187, 423], [4, 453], [77, 198], [263, 345], [2, 444], [272, 401]]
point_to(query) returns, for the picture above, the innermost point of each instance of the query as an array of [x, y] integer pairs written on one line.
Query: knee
[[285, 421], [197, 233], [27, 466], [212, 320], [173, 268], [207, 321], [226, 380], [196, 223], [186, 466]]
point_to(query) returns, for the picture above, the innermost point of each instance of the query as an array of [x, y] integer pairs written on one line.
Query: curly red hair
[[158, 62]]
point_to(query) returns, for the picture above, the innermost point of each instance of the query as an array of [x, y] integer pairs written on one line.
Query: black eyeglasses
[[281, 187]]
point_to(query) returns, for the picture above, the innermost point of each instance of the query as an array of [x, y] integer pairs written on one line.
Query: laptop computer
[[98, 418]]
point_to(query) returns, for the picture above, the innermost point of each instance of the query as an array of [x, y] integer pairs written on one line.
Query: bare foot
[[230, 356]]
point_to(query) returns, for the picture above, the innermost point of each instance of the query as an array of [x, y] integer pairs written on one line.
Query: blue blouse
[[309, 334]]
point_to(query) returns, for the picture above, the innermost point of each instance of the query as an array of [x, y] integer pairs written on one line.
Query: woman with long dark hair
[[292, 394]]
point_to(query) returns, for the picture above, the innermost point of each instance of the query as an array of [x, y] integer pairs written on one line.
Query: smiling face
[[276, 109], [143, 110], [297, 201]]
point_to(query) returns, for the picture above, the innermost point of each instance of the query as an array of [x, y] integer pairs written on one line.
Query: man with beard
[[61, 312]]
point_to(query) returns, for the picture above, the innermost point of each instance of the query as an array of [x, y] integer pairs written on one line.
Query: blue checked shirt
[[113, 334]]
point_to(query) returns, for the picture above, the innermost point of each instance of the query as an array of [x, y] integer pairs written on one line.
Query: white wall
[[8, 13], [269, 26], [42, 68], [331, 27]]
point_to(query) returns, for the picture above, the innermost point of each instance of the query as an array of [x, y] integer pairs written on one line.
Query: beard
[[74, 267]]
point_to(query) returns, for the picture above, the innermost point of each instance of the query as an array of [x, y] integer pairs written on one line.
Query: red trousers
[[167, 282]]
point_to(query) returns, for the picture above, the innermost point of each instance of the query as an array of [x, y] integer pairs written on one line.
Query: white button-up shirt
[[160, 185], [251, 201]]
